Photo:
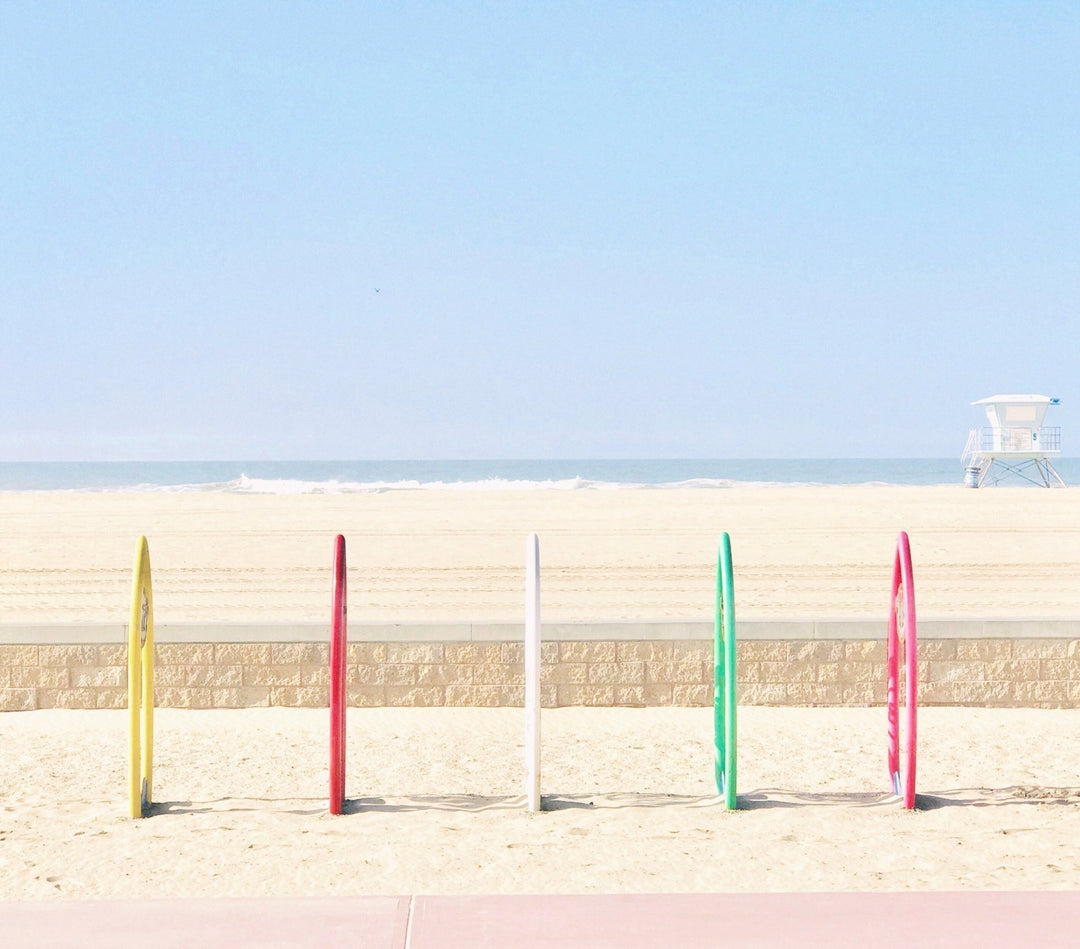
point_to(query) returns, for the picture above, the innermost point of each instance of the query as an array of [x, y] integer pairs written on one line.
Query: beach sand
[[436, 804], [437, 793], [799, 552]]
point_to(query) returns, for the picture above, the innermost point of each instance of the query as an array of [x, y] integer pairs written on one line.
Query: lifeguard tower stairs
[[1016, 443]]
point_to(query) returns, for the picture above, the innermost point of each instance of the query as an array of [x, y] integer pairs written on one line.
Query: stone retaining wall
[[1024, 671]]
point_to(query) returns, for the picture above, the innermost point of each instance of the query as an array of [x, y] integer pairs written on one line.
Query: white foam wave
[[248, 485], [294, 486], [285, 486]]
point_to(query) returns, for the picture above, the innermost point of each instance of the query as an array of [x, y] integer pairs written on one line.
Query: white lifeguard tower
[[1016, 442]]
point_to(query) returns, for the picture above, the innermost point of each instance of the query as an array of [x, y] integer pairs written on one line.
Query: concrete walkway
[[807, 920]]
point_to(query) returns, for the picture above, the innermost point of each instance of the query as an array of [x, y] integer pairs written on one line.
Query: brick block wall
[[998, 672]]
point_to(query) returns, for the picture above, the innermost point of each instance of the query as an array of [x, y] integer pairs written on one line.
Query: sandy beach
[[436, 794], [436, 804], [817, 552]]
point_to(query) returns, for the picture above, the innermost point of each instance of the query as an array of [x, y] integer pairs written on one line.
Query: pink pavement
[[956, 920]]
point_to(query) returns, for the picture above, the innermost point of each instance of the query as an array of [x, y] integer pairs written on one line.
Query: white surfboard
[[532, 673]]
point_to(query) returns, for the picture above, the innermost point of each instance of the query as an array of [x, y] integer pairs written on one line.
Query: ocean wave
[[293, 486], [286, 486], [373, 477], [248, 485]]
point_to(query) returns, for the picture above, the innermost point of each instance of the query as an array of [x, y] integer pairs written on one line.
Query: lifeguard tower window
[[1020, 413]]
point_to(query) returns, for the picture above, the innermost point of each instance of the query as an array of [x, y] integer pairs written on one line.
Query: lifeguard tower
[[1016, 443]]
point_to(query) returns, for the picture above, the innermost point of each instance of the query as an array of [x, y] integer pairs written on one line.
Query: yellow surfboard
[[141, 683]]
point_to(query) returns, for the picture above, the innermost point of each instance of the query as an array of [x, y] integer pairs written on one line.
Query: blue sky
[[456, 230]]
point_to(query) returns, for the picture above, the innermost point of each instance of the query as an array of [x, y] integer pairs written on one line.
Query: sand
[[620, 554], [437, 803]]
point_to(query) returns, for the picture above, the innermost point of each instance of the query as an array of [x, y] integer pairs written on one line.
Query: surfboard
[[532, 673], [141, 684], [338, 649], [724, 698], [903, 635]]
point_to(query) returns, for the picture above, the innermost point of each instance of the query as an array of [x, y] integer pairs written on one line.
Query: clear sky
[[551, 229]]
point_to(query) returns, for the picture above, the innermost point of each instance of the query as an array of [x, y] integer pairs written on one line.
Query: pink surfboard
[[902, 637], [338, 647]]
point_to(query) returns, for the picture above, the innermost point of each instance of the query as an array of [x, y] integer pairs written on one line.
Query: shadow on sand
[[957, 797], [761, 799]]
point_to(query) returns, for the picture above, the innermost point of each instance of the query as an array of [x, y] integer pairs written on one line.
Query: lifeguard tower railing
[[1040, 441], [1012, 451]]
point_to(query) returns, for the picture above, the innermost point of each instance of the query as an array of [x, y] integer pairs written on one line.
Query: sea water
[[340, 477]]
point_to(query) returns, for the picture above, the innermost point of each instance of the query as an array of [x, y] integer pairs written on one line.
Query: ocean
[[342, 477]]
